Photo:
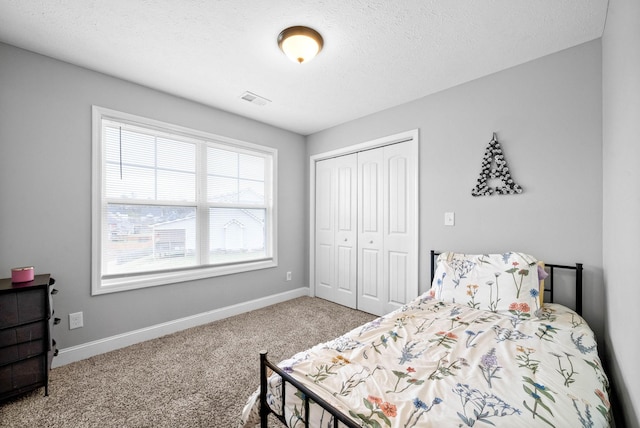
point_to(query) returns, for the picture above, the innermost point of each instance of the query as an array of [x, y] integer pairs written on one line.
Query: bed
[[485, 345]]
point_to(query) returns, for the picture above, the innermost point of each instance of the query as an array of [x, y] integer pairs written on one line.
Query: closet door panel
[[325, 220], [345, 268], [336, 232], [397, 204], [346, 194], [347, 232], [369, 279], [400, 225], [371, 289], [370, 194], [398, 276], [324, 270]]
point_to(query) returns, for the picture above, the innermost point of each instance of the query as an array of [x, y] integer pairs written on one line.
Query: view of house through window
[[177, 202]]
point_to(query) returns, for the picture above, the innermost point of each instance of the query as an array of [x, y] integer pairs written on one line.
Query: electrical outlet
[[288, 276], [75, 320]]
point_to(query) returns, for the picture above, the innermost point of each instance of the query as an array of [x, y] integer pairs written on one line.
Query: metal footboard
[[337, 415]]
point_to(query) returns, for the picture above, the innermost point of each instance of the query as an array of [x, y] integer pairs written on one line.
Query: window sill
[[125, 283]]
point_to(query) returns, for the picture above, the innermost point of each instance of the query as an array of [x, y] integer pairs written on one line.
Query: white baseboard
[[89, 349]]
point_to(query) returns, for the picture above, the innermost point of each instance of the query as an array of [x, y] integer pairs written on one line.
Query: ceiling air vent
[[255, 99]]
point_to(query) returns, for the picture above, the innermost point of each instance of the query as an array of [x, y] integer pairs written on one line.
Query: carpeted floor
[[200, 377]]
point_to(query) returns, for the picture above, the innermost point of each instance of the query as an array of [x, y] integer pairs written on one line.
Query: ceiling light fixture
[[300, 44]]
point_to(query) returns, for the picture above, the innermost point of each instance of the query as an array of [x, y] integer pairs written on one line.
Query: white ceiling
[[377, 53]]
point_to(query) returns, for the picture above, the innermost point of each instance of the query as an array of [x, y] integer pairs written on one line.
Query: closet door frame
[[413, 136]]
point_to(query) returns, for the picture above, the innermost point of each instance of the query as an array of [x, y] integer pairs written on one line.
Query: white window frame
[[101, 284]]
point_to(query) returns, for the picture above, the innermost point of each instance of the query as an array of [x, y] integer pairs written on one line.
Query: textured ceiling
[[377, 53]]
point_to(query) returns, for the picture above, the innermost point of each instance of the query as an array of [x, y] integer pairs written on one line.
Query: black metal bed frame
[[337, 415]]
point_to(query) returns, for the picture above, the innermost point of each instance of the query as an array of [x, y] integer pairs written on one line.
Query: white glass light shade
[[300, 44]]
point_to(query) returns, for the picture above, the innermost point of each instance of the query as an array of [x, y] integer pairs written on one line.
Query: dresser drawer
[[21, 351], [22, 373], [23, 333], [22, 307], [22, 342], [8, 310]]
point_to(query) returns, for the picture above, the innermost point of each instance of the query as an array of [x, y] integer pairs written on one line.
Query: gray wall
[[45, 194], [547, 114], [621, 197]]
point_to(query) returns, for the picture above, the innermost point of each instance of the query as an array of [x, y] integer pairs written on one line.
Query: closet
[[366, 233]]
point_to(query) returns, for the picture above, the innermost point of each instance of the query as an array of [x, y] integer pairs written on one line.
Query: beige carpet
[[199, 377]]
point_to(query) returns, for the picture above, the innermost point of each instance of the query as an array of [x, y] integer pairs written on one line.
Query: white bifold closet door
[[336, 229], [366, 228]]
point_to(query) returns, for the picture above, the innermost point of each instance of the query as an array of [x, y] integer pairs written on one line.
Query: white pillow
[[503, 283]]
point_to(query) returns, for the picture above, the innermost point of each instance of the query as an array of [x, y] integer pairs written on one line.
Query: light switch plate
[[449, 219]]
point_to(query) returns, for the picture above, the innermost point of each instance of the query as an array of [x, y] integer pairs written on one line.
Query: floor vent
[[255, 99]]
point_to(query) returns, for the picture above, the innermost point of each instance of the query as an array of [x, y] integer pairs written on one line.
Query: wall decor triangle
[[494, 165]]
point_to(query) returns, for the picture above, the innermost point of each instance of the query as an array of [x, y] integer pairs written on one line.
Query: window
[[172, 204]]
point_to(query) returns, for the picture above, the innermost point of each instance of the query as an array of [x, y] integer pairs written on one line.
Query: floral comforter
[[437, 364]]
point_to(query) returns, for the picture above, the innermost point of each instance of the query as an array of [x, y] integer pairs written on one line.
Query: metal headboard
[[548, 282]]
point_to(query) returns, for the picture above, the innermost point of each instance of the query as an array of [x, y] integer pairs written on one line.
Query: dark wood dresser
[[26, 343]]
